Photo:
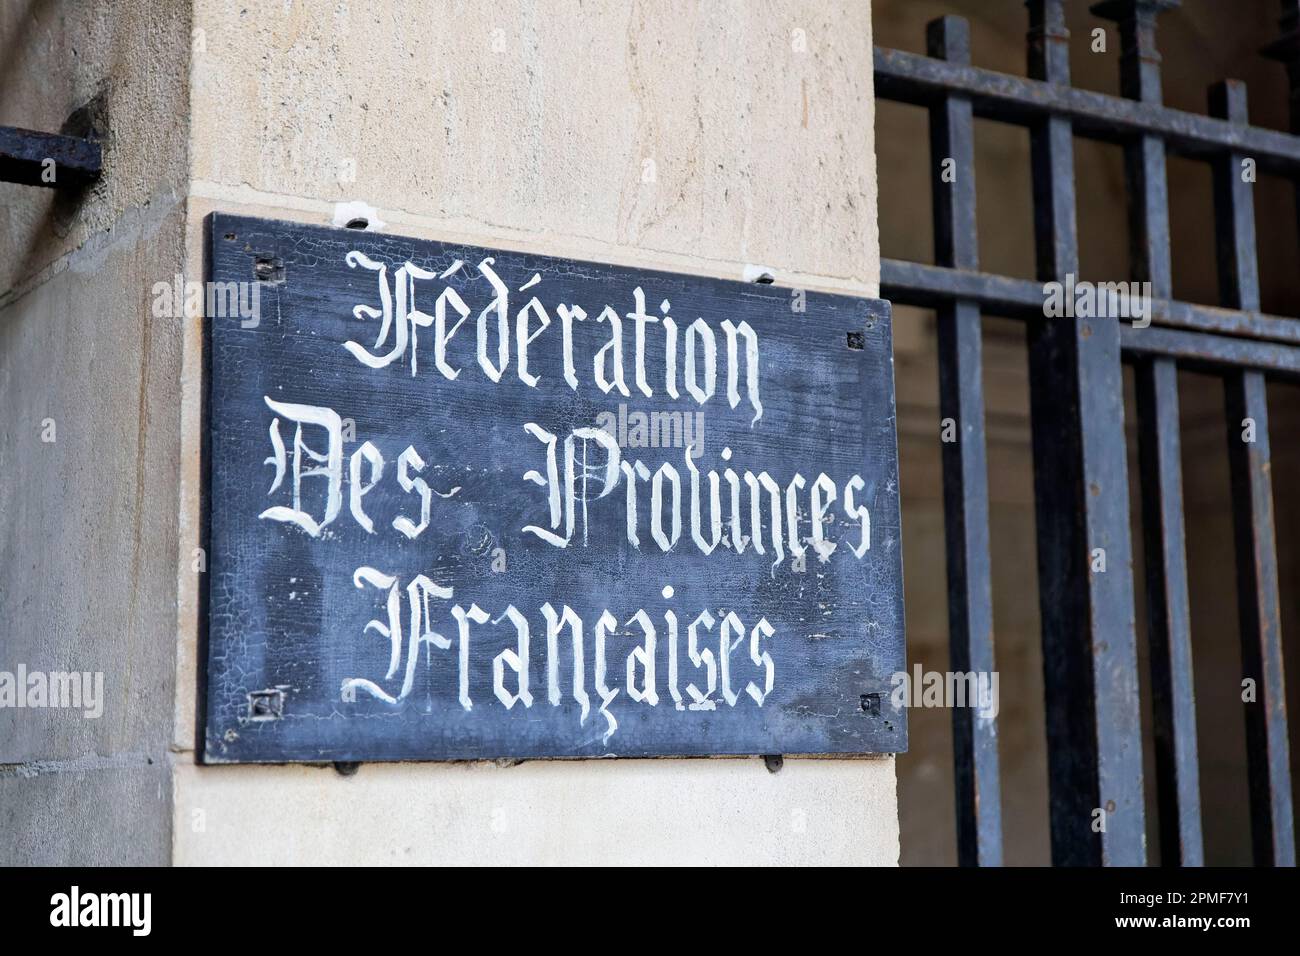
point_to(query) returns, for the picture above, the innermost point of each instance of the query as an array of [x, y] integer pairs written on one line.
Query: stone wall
[[90, 429], [698, 137]]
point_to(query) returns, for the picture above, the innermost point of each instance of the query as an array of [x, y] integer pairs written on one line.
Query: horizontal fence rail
[[32, 158], [915, 283], [1079, 445], [919, 80]]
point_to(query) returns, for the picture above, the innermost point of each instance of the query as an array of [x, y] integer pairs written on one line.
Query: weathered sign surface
[[467, 503]]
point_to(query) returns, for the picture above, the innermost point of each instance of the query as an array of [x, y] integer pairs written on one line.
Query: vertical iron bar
[[1259, 609], [1168, 604], [1144, 158], [1267, 750], [1173, 693], [1081, 492], [965, 465], [1286, 50]]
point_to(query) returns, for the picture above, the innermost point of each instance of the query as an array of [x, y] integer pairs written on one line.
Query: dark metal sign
[[467, 503]]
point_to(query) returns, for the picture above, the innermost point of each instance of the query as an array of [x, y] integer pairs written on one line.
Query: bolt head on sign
[[578, 509]]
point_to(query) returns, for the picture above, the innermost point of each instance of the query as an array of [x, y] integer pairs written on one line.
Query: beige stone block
[[560, 812], [727, 133]]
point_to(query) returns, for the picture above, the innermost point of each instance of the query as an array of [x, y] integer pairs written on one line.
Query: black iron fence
[[1080, 461]]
